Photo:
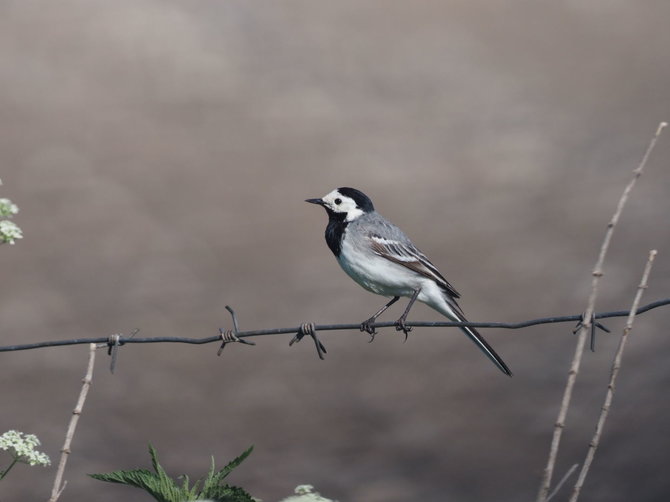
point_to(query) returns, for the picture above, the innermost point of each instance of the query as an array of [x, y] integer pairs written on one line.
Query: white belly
[[386, 278], [377, 274]]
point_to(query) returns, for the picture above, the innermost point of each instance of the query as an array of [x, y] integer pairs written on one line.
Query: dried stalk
[[586, 324], [59, 485], [565, 477], [616, 365]]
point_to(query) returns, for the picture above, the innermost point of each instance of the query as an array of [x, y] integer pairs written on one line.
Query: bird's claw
[[401, 326], [369, 328]]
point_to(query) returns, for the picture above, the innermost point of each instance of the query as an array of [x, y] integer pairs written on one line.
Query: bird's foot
[[401, 326], [368, 326]]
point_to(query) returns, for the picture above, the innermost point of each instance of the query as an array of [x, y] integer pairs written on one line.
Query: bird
[[377, 255]]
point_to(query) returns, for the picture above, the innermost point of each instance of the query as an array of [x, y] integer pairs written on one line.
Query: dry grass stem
[[565, 477], [616, 364], [586, 324], [59, 485]]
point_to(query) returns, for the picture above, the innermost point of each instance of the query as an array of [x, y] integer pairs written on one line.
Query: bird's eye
[[338, 201]]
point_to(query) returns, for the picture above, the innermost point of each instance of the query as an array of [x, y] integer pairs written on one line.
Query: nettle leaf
[[158, 484], [218, 477], [226, 493], [161, 490], [164, 489], [213, 489], [136, 477], [191, 493]]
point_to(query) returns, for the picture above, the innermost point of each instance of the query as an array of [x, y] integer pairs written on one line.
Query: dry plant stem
[[616, 365], [586, 325], [565, 477], [59, 485]]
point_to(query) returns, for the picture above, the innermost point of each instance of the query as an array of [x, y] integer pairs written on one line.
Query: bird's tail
[[453, 311], [483, 345]]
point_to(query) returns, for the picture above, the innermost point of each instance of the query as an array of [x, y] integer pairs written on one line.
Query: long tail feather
[[448, 307], [451, 309], [483, 345]]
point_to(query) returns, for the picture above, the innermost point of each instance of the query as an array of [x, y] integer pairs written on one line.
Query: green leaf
[[135, 477], [160, 472], [164, 489], [146, 480], [190, 493], [213, 489], [227, 493], [220, 476], [158, 484]]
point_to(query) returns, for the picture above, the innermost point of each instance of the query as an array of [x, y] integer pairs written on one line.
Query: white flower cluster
[[9, 231], [8, 208], [22, 448], [306, 493]]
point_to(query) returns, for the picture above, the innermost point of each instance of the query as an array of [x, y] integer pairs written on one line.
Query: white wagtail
[[381, 258]]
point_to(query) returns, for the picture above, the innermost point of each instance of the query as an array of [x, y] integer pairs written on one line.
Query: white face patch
[[339, 203]]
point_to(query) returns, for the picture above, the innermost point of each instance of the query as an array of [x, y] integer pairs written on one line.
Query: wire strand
[[123, 340]]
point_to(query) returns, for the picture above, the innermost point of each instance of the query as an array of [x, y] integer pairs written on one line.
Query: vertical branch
[[586, 324], [616, 365], [59, 485]]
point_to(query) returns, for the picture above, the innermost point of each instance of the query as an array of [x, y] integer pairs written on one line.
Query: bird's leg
[[369, 325], [400, 323]]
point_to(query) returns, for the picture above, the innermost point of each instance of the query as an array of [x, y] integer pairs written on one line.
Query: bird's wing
[[403, 252]]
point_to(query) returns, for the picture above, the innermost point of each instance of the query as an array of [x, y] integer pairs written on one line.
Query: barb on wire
[[230, 335], [240, 335], [308, 329], [594, 325], [113, 343]]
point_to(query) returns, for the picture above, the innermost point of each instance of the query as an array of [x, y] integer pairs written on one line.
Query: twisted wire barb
[[230, 335], [309, 329]]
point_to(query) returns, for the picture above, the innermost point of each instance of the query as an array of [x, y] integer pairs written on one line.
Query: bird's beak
[[315, 201]]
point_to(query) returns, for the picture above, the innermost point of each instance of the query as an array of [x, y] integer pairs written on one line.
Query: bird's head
[[345, 204]]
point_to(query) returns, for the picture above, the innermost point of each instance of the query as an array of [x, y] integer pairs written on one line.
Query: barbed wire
[[235, 335]]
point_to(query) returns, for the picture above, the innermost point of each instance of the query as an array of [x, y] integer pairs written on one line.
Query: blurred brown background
[[160, 153]]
